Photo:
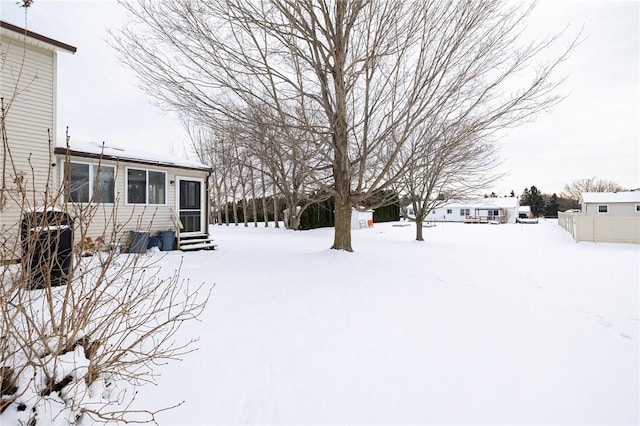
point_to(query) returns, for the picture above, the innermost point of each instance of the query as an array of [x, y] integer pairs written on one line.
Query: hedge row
[[317, 215]]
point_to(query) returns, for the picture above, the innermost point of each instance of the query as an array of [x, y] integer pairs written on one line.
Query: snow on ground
[[479, 324]]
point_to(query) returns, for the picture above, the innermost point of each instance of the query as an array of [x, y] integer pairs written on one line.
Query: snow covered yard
[[480, 324]]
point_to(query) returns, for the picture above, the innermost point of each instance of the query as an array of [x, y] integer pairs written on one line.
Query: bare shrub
[[81, 324]]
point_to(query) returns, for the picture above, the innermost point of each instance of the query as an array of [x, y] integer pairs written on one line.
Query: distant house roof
[[484, 203], [21, 31], [109, 152], [524, 209], [610, 197]]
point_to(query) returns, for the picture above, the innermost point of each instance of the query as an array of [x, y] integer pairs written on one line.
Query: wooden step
[[209, 245], [196, 242]]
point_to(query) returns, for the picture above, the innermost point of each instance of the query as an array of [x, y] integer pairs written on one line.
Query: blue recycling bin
[[168, 239], [138, 241], [155, 241]]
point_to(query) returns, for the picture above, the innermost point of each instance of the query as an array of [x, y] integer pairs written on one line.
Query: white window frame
[[63, 182], [606, 206], [146, 202]]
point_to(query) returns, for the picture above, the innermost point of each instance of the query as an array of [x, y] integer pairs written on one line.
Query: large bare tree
[[360, 75], [449, 162], [574, 189]]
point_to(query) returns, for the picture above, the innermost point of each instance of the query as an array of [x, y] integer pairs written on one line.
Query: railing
[[484, 219], [177, 225]]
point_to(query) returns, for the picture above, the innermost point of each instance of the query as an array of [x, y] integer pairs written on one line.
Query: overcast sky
[[593, 132]]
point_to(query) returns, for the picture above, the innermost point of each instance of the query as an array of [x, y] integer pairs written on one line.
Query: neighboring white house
[[624, 203], [605, 217], [483, 210]]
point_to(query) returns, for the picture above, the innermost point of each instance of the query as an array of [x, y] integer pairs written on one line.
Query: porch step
[[201, 246], [196, 242]]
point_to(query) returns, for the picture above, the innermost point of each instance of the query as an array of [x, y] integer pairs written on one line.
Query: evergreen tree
[[513, 194], [533, 198], [551, 208]]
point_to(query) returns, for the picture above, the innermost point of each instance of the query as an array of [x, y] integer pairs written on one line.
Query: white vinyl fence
[[604, 229]]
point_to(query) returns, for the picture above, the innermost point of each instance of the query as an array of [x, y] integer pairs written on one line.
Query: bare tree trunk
[[419, 222], [226, 203], [342, 231], [244, 210], [219, 212], [275, 205], [243, 200], [253, 198], [234, 205], [340, 139], [292, 221], [295, 222], [213, 199], [265, 212]]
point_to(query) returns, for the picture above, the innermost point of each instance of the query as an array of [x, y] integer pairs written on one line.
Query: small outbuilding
[[524, 212], [361, 219]]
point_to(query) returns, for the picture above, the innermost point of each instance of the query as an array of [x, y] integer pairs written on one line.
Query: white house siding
[[613, 209], [619, 204], [508, 206], [440, 214], [29, 68], [114, 221]]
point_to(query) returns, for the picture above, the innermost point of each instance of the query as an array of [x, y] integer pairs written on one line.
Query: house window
[[90, 183], [146, 187], [464, 212], [637, 208], [603, 208], [449, 211]]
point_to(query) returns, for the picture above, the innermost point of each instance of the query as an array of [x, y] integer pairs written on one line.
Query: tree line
[[550, 204]]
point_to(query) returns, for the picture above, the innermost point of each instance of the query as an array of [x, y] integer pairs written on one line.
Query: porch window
[[603, 208], [146, 187], [86, 183]]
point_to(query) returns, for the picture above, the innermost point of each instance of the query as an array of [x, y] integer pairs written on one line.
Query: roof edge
[[58, 44], [73, 153]]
